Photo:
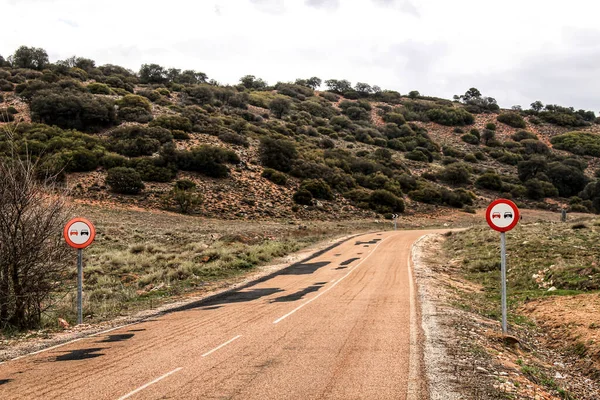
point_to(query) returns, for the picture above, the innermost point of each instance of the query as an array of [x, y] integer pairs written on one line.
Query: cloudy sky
[[516, 51]]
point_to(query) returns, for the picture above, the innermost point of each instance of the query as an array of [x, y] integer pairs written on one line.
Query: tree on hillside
[[312, 83], [153, 73], [413, 94], [252, 82], [537, 106], [85, 64], [278, 154], [338, 86], [280, 106], [190, 77], [29, 57], [3, 62], [364, 89]]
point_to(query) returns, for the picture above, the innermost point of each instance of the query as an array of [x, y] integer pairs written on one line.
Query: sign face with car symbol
[[502, 215], [79, 233]]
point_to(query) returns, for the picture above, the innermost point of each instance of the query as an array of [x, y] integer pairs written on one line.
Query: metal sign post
[[503, 277], [79, 286], [79, 233], [503, 215]]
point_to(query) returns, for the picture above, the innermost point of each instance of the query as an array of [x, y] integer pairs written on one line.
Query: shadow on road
[[81, 354], [3, 381], [117, 338], [300, 294]]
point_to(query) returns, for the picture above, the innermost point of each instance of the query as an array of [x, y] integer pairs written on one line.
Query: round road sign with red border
[[79, 233], [502, 215]]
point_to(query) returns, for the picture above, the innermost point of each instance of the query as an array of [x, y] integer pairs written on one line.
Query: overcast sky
[[516, 51]]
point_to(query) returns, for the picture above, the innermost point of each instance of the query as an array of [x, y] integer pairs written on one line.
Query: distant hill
[[172, 139]]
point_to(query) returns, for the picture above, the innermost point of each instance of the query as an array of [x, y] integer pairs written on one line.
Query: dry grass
[[141, 259]]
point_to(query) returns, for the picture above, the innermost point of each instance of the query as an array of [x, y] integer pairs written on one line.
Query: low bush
[[318, 188], [512, 119], [98, 88], [278, 154], [173, 122], [523, 135], [276, 177], [234, 138], [489, 180], [417, 155], [450, 116], [581, 143], [384, 202], [470, 139], [456, 174], [208, 160], [71, 109], [303, 196], [124, 180]]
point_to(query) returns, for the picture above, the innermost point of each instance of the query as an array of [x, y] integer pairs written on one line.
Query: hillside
[[166, 139]]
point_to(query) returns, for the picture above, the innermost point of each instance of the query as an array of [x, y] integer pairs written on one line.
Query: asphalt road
[[338, 326]]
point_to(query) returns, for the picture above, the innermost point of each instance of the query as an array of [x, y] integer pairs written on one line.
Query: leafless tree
[[33, 210]]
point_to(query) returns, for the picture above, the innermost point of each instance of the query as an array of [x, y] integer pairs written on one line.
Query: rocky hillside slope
[[175, 140]]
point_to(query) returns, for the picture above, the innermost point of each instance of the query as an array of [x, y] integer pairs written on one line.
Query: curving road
[[338, 326]]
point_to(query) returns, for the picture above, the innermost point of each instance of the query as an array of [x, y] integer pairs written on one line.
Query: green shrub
[[394, 118], [510, 158], [417, 155], [318, 188], [280, 106], [383, 202], [303, 196], [452, 152], [471, 139], [72, 110], [136, 140], [471, 158], [537, 189], [173, 122], [124, 180], [153, 169], [234, 138], [581, 143], [184, 196], [523, 135], [98, 88], [490, 126], [534, 146], [6, 86], [278, 154], [276, 177], [180, 135], [112, 160], [208, 160], [512, 119], [569, 180], [450, 116], [489, 180], [456, 174]]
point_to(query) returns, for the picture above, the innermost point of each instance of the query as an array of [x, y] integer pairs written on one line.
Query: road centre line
[[223, 345], [150, 383], [330, 287]]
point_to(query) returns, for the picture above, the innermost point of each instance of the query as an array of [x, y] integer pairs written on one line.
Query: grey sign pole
[[79, 286], [503, 255]]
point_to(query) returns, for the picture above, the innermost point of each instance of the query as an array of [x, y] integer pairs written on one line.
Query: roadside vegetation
[[553, 283]]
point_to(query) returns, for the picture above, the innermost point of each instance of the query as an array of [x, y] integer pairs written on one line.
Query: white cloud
[[516, 51]]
